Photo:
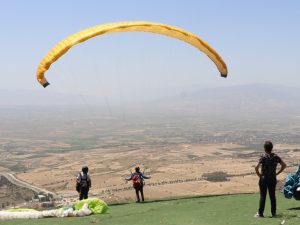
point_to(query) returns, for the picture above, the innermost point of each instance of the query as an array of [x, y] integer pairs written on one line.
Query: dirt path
[[12, 179]]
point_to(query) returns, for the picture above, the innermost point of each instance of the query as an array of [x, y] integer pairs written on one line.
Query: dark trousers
[[267, 184], [83, 194], [137, 190]]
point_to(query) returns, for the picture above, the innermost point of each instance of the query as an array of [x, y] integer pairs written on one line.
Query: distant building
[[42, 198]]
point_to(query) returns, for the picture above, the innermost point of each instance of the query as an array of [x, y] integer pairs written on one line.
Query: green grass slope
[[218, 210]]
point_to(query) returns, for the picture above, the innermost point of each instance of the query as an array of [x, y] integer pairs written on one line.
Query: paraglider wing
[[63, 46]]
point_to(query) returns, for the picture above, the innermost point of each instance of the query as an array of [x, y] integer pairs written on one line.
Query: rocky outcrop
[[14, 191]]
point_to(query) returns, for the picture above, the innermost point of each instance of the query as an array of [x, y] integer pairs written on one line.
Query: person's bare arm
[[257, 169], [283, 166]]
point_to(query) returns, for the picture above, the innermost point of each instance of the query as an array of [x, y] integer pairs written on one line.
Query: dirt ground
[[176, 170]]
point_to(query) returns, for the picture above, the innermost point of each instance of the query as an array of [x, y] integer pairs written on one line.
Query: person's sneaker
[[257, 215]]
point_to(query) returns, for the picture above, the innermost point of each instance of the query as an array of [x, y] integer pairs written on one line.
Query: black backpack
[[82, 184]]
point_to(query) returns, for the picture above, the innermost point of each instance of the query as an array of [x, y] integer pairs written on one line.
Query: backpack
[[137, 180], [82, 184]]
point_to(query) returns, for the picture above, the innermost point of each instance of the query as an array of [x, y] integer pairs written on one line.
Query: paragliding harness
[[82, 184], [137, 180], [292, 185]]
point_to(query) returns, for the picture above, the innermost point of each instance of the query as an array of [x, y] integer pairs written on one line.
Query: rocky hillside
[[11, 194]]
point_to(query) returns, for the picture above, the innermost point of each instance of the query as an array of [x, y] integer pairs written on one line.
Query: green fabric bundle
[[96, 205]]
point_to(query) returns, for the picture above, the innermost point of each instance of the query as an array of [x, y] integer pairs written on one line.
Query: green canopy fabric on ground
[[96, 205]]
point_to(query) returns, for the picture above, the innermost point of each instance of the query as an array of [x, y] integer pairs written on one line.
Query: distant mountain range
[[254, 98], [245, 99]]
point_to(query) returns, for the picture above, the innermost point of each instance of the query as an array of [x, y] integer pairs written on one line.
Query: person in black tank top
[[83, 183], [267, 177]]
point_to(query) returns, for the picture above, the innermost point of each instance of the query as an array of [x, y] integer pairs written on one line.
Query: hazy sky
[[258, 39]]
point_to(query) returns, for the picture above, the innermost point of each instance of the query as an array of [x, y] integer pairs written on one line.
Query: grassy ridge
[[218, 210]]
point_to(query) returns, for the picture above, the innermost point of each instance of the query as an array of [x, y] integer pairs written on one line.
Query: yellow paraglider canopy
[[64, 45]]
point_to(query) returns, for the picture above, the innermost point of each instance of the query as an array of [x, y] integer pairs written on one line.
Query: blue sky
[[259, 40]]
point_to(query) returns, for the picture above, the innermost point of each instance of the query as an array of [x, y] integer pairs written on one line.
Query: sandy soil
[[176, 170]]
